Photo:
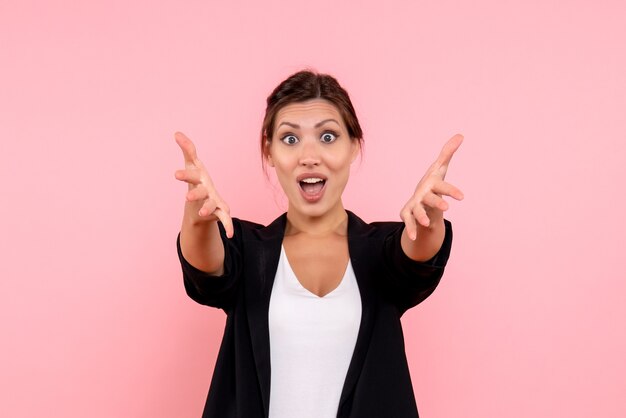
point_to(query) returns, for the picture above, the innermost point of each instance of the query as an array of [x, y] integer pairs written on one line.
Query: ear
[[268, 149], [356, 149]]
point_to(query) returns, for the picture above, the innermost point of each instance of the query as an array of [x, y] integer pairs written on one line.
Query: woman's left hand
[[425, 208]]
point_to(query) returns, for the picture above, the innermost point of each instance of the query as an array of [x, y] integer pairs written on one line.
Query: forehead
[[308, 113]]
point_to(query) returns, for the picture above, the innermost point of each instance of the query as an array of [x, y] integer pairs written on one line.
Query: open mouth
[[312, 185]]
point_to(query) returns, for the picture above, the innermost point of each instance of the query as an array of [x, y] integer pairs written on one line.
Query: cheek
[[340, 163], [283, 171], [282, 163]]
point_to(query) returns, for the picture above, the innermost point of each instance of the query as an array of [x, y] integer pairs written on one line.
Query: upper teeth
[[312, 180]]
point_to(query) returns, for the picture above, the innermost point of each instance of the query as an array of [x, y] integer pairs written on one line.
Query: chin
[[314, 210], [307, 209]]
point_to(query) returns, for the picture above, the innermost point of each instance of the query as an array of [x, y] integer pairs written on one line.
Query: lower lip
[[312, 198]]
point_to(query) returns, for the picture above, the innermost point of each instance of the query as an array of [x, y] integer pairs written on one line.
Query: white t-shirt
[[312, 339]]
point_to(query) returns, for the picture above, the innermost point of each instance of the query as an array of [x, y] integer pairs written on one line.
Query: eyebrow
[[317, 125]]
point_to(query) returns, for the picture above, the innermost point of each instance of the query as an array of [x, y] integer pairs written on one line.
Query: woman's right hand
[[202, 194]]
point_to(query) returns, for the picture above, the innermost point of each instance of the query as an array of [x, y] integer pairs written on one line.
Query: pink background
[[529, 319]]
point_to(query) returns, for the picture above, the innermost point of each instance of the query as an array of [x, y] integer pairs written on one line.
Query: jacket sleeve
[[215, 291], [411, 281]]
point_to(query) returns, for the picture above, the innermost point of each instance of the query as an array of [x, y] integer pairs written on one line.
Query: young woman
[[313, 300]]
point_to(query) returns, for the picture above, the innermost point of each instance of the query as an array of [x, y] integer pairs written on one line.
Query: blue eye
[[289, 139], [328, 137]]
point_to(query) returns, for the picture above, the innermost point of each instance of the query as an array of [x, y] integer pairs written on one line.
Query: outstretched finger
[[419, 212], [188, 148], [198, 193], [449, 149], [409, 224], [446, 189], [188, 176], [226, 220], [434, 201]]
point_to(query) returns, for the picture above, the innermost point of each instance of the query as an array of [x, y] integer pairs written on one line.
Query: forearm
[[428, 241], [200, 242]]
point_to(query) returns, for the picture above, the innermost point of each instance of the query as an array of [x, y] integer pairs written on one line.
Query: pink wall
[[529, 320]]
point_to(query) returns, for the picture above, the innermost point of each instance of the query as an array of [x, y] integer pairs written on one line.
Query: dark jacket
[[377, 382]]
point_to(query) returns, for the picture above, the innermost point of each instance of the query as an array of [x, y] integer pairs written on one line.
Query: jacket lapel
[[264, 251], [358, 244]]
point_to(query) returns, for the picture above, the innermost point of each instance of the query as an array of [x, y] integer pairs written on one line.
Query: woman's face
[[311, 152]]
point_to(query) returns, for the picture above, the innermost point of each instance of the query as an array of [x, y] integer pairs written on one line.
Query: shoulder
[[357, 226], [379, 229], [387, 235], [251, 231]]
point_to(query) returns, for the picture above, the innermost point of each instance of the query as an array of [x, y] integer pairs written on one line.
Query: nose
[[309, 153]]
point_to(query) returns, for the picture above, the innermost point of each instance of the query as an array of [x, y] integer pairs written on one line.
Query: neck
[[332, 222]]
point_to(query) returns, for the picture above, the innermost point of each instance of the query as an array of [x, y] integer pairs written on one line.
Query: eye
[[328, 137], [289, 139]]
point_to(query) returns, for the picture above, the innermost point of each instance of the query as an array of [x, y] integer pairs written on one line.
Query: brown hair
[[300, 87]]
